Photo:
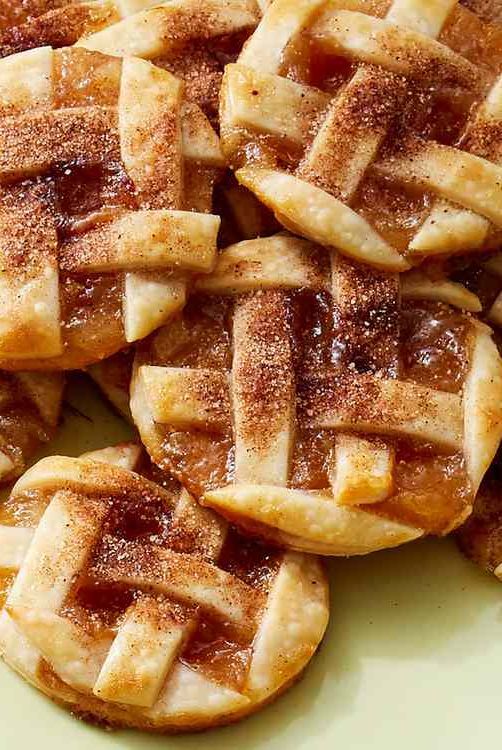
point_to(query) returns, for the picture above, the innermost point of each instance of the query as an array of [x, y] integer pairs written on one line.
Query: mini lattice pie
[[30, 404], [309, 405], [372, 127], [134, 606], [106, 177], [192, 39], [480, 538]]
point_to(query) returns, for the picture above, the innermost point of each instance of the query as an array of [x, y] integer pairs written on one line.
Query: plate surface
[[412, 658]]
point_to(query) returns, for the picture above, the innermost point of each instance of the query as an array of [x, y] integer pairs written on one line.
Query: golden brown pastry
[[322, 404], [106, 177], [372, 127], [131, 605]]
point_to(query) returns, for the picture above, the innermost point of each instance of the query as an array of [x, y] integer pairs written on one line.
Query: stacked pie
[[271, 233]]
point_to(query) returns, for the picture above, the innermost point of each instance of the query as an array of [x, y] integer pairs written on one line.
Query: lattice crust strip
[[355, 393], [123, 27], [159, 31], [310, 155], [36, 23], [448, 228], [132, 674], [193, 40], [152, 235], [113, 378]]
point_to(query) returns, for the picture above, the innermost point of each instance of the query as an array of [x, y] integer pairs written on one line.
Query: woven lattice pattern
[[307, 400], [136, 605], [106, 176], [192, 40], [372, 128]]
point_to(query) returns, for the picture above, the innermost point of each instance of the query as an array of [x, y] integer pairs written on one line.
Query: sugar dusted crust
[[56, 23], [330, 119], [326, 407], [104, 204], [190, 39], [225, 624]]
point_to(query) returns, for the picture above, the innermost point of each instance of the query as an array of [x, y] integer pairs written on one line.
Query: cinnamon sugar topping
[[145, 586], [97, 147], [309, 369]]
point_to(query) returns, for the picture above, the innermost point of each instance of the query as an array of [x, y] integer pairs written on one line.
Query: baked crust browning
[[55, 23], [304, 401], [371, 128], [106, 178], [58, 23], [134, 606], [192, 40]]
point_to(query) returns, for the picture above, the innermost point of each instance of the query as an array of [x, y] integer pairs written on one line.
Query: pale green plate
[[412, 659]]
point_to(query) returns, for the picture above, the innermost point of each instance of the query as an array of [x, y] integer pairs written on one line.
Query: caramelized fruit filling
[[84, 79], [214, 647], [21, 425], [307, 62], [89, 79], [93, 304], [485, 285], [395, 212], [432, 106], [78, 195], [430, 489], [217, 654], [88, 193], [434, 345]]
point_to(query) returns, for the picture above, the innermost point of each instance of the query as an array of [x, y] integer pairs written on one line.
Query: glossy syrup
[[214, 647], [83, 194], [430, 488]]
